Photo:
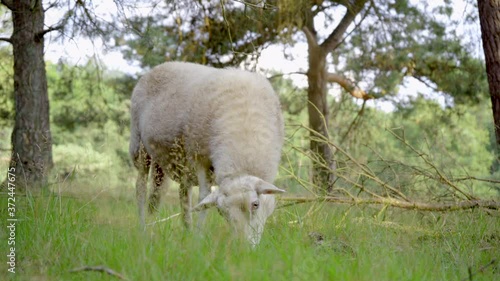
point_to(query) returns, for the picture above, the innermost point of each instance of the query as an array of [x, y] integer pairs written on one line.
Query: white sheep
[[201, 126]]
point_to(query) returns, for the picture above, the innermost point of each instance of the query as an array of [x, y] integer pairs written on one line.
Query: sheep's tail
[[135, 145]]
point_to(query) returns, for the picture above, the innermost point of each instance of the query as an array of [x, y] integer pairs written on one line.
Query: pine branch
[[51, 5], [335, 38], [8, 3], [5, 39], [310, 37], [50, 29], [348, 85]]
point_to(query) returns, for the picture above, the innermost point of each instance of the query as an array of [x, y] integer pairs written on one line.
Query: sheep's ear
[[267, 188], [206, 203]]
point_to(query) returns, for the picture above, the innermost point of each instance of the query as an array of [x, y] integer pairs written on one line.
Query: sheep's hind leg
[[142, 163], [185, 199], [158, 184], [204, 192]]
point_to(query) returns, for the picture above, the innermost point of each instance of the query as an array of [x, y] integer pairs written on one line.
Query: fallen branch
[[100, 268], [420, 206], [365, 169]]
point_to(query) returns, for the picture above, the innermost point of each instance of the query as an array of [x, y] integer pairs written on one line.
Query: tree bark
[[489, 18], [317, 109], [317, 77], [31, 138]]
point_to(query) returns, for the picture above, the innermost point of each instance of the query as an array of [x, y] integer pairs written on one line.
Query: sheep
[[205, 126]]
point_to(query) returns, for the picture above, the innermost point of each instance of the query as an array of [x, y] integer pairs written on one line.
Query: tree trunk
[[31, 138], [324, 168], [489, 18], [317, 108]]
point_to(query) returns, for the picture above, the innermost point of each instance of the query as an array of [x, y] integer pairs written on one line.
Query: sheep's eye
[[255, 205]]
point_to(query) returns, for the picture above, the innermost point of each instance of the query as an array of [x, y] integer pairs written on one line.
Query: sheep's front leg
[[185, 198], [204, 191]]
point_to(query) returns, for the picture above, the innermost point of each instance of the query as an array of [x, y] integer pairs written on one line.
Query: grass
[[56, 234]]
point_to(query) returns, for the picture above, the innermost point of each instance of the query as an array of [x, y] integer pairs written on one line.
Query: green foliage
[[6, 87], [403, 40], [293, 99], [218, 33], [456, 140], [93, 154], [83, 97], [90, 123]]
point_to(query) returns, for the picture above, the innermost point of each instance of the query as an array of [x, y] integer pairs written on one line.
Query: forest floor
[[91, 234]]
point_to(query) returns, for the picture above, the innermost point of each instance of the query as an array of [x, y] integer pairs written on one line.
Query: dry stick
[[489, 204], [362, 188], [165, 219], [396, 175], [440, 174], [328, 168], [299, 180], [354, 122], [476, 179], [368, 172], [100, 268]]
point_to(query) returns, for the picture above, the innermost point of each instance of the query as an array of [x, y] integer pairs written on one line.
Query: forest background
[[401, 117]]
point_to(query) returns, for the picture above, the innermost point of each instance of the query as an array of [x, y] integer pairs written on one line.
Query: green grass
[[58, 233]]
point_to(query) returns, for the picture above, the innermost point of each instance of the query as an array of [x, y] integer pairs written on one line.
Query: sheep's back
[[247, 127], [228, 116]]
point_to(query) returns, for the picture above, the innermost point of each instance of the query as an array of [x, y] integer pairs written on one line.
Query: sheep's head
[[245, 202]]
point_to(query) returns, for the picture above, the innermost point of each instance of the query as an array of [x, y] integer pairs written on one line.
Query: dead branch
[[50, 29], [354, 123], [476, 179], [420, 206], [430, 164], [366, 170], [100, 268]]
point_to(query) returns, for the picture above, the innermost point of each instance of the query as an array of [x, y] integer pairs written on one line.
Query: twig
[[480, 270], [476, 179], [420, 206], [100, 268], [283, 74], [9, 40], [428, 162], [165, 219], [364, 168], [354, 122]]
